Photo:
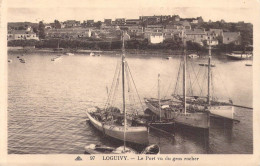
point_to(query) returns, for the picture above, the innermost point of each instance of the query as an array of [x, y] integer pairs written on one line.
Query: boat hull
[[222, 111], [137, 135], [196, 120], [239, 56]]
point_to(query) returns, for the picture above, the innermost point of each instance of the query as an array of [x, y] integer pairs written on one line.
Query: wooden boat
[[240, 55], [133, 134], [69, 54], [102, 149], [248, 64], [22, 60], [193, 56], [115, 124], [211, 65], [224, 109], [178, 111], [56, 58]]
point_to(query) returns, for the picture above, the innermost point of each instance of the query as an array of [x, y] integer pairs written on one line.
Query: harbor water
[[48, 100]]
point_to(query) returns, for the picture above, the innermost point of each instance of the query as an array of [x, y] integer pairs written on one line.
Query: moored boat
[[193, 56], [177, 111], [102, 149], [240, 55], [133, 134], [114, 122], [223, 109], [56, 58]]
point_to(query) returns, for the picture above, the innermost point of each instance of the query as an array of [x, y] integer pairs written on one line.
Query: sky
[[48, 11]]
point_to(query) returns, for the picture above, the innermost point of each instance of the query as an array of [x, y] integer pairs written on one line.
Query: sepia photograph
[[130, 78]]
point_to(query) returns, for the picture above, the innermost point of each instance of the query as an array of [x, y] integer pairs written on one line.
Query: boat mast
[[123, 86], [184, 71], [209, 66], [159, 100]]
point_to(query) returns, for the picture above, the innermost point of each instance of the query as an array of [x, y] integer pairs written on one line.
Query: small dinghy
[[193, 56], [152, 149], [203, 64], [102, 149], [249, 65]]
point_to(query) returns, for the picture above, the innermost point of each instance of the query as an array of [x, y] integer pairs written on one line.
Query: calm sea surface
[[47, 102]]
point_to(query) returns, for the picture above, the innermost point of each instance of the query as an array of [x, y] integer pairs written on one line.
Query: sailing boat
[[223, 109], [177, 110], [115, 124]]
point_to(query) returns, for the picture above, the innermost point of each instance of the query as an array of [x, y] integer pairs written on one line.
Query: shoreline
[[134, 52]]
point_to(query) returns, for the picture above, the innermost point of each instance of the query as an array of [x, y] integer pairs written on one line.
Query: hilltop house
[[21, 35], [231, 37], [71, 23]]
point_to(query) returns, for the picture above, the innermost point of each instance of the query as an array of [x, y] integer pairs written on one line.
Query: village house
[[179, 25], [152, 29], [120, 21], [21, 35], [150, 20], [156, 38], [193, 20], [69, 33], [108, 22], [195, 35], [175, 18], [132, 22], [135, 31], [171, 33], [213, 36], [89, 23], [71, 23], [232, 37]]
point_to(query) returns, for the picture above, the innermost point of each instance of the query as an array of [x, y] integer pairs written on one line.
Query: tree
[[57, 24], [41, 30]]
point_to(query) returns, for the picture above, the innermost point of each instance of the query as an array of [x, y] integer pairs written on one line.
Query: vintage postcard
[[129, 82]]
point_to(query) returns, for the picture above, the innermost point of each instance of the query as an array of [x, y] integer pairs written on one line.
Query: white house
[[21, 35], [156, 38]]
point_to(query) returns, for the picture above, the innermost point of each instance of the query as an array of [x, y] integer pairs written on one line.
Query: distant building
[[150, 20], [213, 36], [120, 21], [21, 35], [71, 23], [195, 35], [108, 21], [132, 22], [151, 29], [175, 18], [135, 30], [193, 20], [90, 23], [171, 33], [232, 37], [69, 33], [156, 38]]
